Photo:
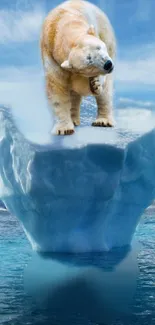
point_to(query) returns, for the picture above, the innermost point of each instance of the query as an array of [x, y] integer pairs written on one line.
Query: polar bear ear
[[91, 30], [66, 65]]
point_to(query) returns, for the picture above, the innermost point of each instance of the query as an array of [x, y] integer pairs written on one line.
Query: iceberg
[[79, 193]]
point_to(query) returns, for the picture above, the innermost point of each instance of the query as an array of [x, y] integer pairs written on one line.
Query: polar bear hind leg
[[59, 97], [75, 107], [60, 102]]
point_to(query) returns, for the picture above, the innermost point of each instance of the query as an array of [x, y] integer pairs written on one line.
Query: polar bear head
[[89, 58]]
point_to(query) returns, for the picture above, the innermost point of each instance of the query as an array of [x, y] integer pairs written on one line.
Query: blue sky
[[133, 22]]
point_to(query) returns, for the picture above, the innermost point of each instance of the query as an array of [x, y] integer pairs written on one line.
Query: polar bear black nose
[[108, 65]]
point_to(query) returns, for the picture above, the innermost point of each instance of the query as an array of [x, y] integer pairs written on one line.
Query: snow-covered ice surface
[[79, 193]]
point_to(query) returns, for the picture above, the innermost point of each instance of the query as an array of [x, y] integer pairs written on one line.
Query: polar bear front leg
[[105, 105], [96, 86]]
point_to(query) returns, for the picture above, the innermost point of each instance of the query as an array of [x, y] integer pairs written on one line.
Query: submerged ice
[[81, 193]]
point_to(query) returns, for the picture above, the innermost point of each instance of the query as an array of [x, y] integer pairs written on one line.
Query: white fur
[[91, 18]]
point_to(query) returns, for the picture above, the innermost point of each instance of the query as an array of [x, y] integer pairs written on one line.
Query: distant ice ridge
[[79, 193]]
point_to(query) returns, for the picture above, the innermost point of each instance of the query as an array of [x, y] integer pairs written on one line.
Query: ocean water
[[19, 304]]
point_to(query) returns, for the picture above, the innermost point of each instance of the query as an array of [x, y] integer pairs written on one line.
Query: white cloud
[[137, 65], [22, 74], [140, 71], [23, 91], [19, 25], [22, 88], [136, 103]]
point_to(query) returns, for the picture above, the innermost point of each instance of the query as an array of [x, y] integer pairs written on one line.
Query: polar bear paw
[[95, 86], [61, 129], [104, 122]]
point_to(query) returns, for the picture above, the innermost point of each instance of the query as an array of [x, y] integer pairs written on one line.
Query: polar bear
[[78, 50]]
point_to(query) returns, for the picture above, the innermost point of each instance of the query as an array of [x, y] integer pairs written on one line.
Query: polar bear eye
[[89, 57], [98, 48]]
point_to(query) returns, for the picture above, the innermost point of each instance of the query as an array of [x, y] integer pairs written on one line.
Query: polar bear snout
[[108, 66]]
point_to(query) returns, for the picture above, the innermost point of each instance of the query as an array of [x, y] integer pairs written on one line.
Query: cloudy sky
[[20, 66]]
